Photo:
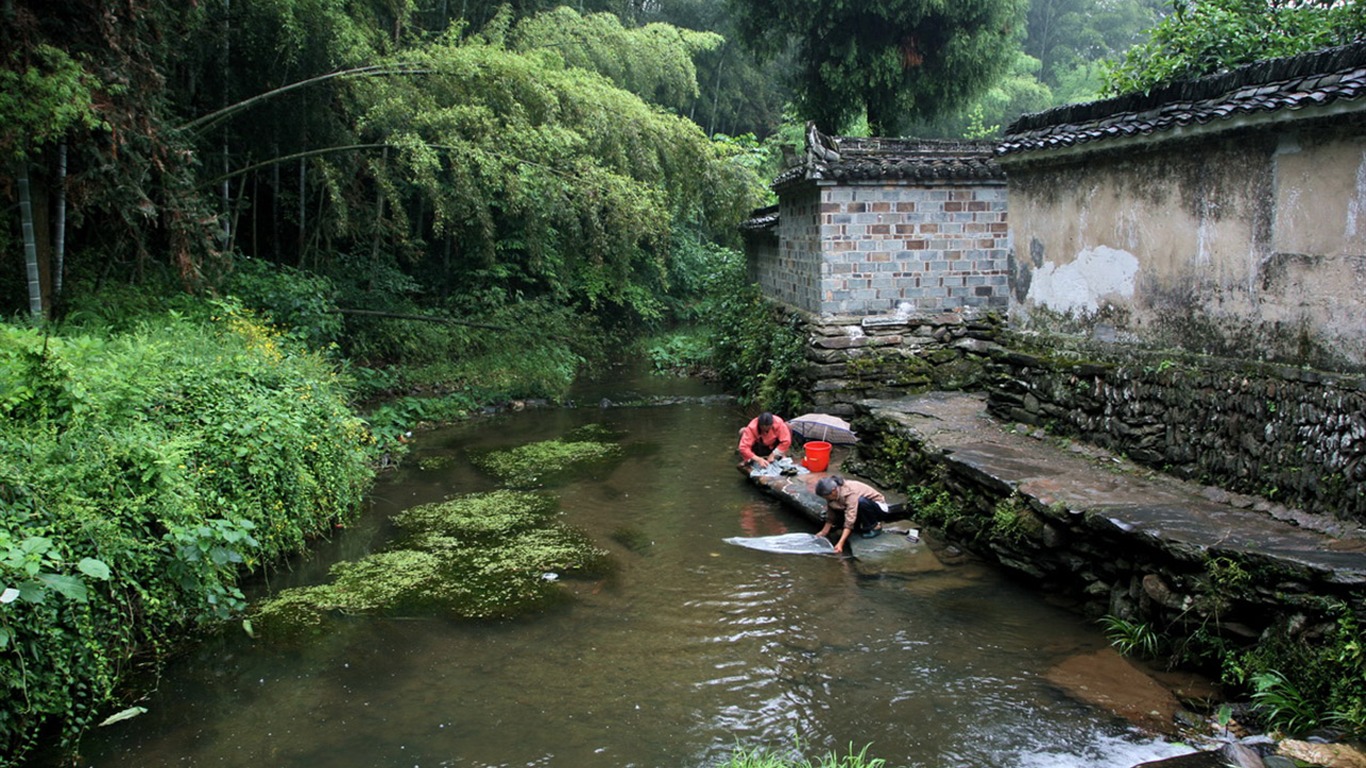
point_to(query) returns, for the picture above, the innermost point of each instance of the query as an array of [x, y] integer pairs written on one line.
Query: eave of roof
[[1326, 82], [761, 219], [853, 159]]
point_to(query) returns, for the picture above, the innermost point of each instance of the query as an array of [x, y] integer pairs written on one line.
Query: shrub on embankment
[[140, 474]]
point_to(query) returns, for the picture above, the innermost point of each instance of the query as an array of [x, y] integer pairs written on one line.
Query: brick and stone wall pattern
[[790, 274], [933, 248]]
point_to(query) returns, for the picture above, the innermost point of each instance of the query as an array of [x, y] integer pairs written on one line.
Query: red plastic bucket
[[817, 455]]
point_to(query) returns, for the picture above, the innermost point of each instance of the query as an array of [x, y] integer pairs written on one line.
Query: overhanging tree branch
[[375, 145], [443, 321], [204, 122]]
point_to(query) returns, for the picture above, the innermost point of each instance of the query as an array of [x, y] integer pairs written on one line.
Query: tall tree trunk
[[303, 211], [716, 92], [35, 284], [225, 192], [59, 230], [379, 210], [276, 190]]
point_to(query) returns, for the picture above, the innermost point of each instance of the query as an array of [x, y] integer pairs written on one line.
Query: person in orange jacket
[[764, 439]]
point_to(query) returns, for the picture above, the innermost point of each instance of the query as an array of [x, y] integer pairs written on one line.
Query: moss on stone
[[398, 581], [294, 615], [434, 462], [595, 431]]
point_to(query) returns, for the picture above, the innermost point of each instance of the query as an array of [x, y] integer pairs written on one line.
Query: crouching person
[[764, 439], [853, 507]]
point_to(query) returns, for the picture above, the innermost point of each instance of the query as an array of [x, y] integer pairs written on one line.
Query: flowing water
[[693, 648]]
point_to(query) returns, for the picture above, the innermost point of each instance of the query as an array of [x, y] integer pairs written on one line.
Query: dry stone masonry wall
[[852, 358], [1292, 436]]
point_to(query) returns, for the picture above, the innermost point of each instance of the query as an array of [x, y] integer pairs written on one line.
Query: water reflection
[[692, 648]]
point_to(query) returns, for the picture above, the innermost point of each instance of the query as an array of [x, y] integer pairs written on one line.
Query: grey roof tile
[[1318, 78], [846, 158]]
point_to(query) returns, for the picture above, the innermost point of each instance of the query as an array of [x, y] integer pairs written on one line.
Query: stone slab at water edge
[[1123, 540]]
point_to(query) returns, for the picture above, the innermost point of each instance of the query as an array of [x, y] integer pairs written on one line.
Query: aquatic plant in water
[[435, 462], [480, 516], [594, 431], [485, 555], [533, 464]]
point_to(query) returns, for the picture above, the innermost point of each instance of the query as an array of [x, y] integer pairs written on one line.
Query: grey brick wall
[[890, 246], [792, 274]]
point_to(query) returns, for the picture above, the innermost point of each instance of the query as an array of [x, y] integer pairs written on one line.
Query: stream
[[694, 647]]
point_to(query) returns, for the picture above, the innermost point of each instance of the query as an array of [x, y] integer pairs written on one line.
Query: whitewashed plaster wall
[[1248, 244]]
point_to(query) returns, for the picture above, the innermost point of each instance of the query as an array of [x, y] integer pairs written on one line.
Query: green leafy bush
[[302, 303], [757, 351], [140, 475], [1299, 687], [683, 352], [1212, 36]]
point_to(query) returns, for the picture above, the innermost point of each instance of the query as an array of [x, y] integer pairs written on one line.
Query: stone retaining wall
[[852, 358], [1289, 435], [1207, 598]]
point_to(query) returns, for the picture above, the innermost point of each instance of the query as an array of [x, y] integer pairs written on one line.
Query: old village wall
[[1201, 251]]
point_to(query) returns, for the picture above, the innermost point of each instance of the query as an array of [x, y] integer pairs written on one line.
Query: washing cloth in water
[[783, 466], [786, 544]]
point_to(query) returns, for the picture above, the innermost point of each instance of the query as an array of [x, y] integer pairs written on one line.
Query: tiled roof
[[1332, 75], [846, 158], [761, 219]]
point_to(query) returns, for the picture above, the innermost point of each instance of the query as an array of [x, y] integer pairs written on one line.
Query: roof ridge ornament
[[819, 146]]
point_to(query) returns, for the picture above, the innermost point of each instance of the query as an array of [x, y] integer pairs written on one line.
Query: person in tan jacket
[[853, 507]]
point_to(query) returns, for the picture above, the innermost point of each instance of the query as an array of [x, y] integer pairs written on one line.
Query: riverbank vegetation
[[261, 242], [143, 471], [761, 758]]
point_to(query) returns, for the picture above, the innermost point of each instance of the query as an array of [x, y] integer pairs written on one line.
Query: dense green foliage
[[140, 475], [1203, 37], [1070, 37], [756, 350], [455, 204], [416, 161], [891, 60], [540, 179], [738, 92], [1300, 688]]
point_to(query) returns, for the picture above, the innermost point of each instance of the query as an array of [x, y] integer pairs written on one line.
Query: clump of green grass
[[762, 758], [1131, 638]]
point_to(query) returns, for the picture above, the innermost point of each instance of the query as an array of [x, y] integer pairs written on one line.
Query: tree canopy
[[1203, 37], [892, 60], [537, 156]]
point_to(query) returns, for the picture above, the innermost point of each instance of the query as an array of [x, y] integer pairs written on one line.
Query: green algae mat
[[484, 555]]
